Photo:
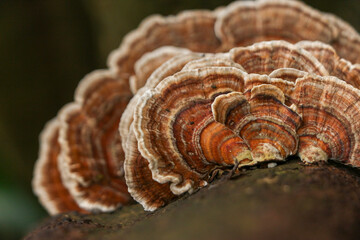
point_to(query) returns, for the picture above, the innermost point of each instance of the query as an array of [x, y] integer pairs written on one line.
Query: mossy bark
[[290, 201]]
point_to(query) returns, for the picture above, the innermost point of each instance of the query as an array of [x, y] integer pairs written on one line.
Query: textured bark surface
[[290, 201]]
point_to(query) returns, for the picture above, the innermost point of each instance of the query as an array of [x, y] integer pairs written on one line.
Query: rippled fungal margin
[[86, 165], [239, 109], [83, 148], [47, 181]]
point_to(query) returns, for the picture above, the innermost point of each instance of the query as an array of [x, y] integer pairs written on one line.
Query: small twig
[[234, 173]]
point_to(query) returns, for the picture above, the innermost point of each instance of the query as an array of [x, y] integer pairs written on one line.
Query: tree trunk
[[290, 201]]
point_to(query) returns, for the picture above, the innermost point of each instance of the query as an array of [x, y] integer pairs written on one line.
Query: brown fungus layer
[[83, 148], [168, 68], [336, 66], [92, 156], [149, 62], [47, 181], [181, 104], [265, 57], [142, 187], [264, 122], [193, 30], [243, 23], [177, 62], [330, 127], [179, 124]]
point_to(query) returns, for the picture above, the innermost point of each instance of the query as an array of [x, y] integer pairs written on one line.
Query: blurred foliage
[[46, 47]]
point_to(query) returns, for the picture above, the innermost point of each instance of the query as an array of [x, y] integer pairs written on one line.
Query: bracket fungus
[[84, 147], [190, 95]]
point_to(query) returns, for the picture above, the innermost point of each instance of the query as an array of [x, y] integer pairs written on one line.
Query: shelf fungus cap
[[197, 109], [193, 30], [212, 60], [149, 62], [168, 68], [243, 23], [263, 121], [91, 156], [265, 57], [47, 183], [334, 64], [173, 124], [142, 187], [347, 43], [220, 110], [286, 86], [330, 128], [184, 60]]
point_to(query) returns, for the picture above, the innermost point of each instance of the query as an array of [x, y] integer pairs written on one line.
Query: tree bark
[[290, 201]]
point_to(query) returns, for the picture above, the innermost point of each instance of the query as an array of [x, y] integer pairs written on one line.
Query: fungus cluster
[[189, 95]]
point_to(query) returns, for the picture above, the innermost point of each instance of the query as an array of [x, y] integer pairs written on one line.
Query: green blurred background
[[46, 47]]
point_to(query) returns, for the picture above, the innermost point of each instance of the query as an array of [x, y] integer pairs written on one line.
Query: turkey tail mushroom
[[91, 153], [330, 128], [263, 121], [149, 62], [265, 57], [168, 68], [142, 187], [198, 109], [336, 66], [168, 122], [84, 148], [193, 30], [243, 23], [47, 182]]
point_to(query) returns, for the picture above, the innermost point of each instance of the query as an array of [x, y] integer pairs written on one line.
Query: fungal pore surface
[[191, 95]]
